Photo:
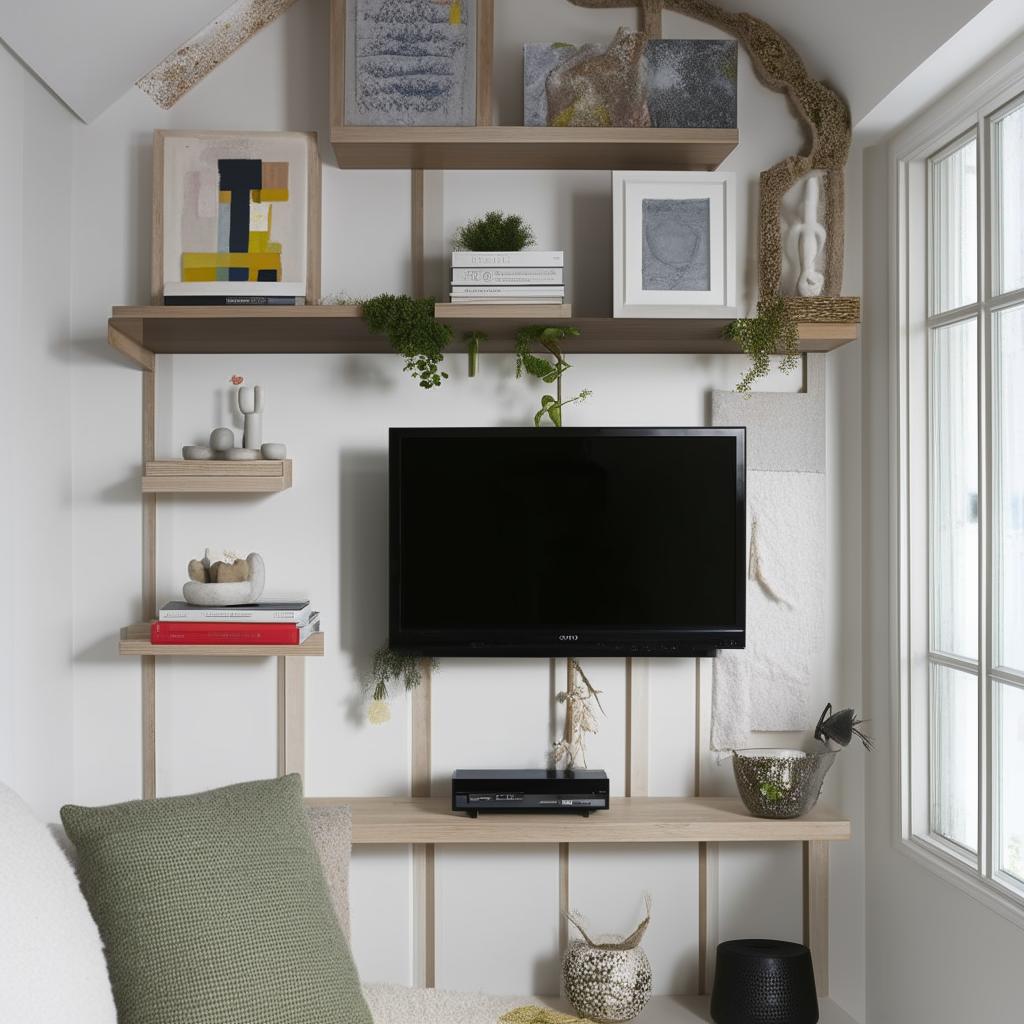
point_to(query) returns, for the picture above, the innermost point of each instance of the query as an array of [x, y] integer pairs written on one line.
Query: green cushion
[[214, 910]]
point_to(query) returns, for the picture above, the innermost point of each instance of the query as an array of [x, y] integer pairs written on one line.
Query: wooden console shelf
[[513, 147], [630, 820], [142, 332], [532, 313], [216, 476], [135, 642]]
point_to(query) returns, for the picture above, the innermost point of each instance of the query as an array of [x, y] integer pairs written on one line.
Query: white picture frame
[[686, 270]]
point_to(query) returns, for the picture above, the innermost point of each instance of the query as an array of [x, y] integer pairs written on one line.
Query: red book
[[231, 632]]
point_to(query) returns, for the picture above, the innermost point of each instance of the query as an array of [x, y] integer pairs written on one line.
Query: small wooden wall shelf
[[141, 332], [186, 476], [630, 820], [135, 642], [510, 147]]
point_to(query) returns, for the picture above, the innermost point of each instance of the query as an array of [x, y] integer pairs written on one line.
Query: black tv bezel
[[526, 642]]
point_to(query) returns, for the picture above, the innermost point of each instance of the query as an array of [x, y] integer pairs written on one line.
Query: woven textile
[[214, 910]]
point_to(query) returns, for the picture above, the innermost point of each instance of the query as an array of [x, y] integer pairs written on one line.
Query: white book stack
[[529, 277]]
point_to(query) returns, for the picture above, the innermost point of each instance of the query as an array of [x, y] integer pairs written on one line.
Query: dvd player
[[529, 791]]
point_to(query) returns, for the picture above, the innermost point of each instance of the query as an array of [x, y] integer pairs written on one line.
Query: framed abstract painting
[[674, 243], [236, 218]]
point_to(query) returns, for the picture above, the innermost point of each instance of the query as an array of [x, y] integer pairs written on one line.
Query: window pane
[[954, 755], [1008, 488], [1010, 739], [953, 488], [1008, 136], [953, 245]]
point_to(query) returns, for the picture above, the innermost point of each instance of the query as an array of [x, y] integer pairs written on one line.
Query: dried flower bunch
[[582, 702]]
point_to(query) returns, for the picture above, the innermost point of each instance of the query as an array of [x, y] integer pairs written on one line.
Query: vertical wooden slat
[[638, 728], [650, 18], [707, 853], [563, 897], [336, 64], [291, 716], [148, 664], [417, 239], [424, 886], [313, 247], [816, 910], [484, 61]]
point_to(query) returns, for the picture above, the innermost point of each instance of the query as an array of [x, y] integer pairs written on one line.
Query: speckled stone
[[240, 454], [274, 450], [222, 438], [197, 452]]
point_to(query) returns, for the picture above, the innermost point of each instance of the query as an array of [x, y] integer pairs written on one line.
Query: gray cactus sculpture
[[250, 405]]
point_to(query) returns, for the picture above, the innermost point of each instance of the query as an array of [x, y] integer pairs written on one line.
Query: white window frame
[[969, 109]]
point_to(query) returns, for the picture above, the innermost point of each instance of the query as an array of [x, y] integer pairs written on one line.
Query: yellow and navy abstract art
[[246, 251]]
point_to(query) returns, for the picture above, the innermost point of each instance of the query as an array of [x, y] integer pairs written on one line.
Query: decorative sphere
[[222, 439]]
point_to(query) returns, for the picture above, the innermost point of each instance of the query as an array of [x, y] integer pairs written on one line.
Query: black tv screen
[[572, 541]]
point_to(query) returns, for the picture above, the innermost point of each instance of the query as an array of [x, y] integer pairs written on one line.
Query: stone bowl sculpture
[[217, 595]]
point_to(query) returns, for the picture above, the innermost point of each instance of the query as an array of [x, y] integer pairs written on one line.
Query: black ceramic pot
[[761, 981]]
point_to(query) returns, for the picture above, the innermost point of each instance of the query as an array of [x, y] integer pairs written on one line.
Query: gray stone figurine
[[250, 405]]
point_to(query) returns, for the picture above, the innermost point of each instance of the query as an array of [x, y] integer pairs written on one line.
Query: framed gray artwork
[[410, 62], [674, 243]]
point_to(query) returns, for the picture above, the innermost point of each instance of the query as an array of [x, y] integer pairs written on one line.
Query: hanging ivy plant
[[391, 667], [772, 332], [548, 370], [413, 332]]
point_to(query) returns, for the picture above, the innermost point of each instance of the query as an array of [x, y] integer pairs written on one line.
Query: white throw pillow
[[52, 968]]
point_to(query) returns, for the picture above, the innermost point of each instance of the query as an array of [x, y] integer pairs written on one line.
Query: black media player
[[529, 791]]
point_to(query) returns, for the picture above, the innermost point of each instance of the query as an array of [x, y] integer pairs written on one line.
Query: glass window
[[1008, 141], [1008, 487], [953, 487], [1010, 744], [953, 244], [954, 768]]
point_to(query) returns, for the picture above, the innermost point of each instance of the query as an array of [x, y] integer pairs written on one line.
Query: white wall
[[935, 953], [216, 721], [35, 601]]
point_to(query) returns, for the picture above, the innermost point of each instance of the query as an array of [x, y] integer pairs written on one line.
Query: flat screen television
[[610, 541]]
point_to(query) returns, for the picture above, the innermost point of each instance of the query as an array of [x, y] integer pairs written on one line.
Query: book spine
[[199, 616], [232, 300], [521, 291], [526, 258], [506, 275], [211, 633]]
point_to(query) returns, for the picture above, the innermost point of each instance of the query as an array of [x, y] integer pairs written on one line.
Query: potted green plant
[[413, 332], [495, 232]]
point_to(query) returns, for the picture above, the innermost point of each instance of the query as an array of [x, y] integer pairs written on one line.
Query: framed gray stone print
[[674, 243], [410, 62]]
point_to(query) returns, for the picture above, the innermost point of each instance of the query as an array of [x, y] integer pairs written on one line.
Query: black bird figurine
[[841, 727]]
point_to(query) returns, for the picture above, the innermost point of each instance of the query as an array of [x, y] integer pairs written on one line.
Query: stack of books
[[278, 623], [528, 277]]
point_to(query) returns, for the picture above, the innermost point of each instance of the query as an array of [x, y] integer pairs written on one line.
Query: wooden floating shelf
[[483, 311], [135, 641], [630, 820], [513, 147], [141, 332], [216, 476]]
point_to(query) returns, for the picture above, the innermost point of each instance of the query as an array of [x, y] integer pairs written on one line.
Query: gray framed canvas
[[669, 83], [674, 243], [410, 62]]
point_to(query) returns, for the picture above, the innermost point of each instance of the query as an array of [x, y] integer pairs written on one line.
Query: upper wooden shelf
[[630, 820], [511, 147], [141, 332], [135, 641]]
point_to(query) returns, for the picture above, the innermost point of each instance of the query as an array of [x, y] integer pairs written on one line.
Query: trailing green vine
[[548, 370], [390, 666], [413, 332], [772, 332]]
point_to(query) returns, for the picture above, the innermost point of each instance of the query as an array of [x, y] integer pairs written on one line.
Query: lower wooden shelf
[[630, 820], [531, 312], [216, 476], [135, 641]]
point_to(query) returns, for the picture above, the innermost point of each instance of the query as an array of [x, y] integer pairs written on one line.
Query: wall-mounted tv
[[613, 541]]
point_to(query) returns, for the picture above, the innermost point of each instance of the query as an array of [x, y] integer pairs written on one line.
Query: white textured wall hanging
[[191, 63]]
